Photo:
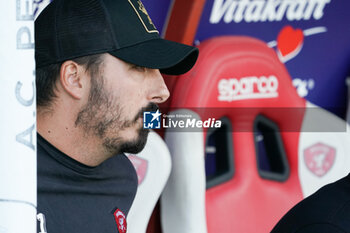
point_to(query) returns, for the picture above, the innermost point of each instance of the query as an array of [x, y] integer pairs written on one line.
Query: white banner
[[17, 118]]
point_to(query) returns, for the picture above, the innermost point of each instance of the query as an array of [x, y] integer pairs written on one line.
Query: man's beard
[[102, 117]]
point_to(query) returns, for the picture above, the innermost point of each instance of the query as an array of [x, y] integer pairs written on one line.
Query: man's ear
[[72, 79]]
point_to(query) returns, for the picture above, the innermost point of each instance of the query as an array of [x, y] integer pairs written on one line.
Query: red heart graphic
[[289, 41]]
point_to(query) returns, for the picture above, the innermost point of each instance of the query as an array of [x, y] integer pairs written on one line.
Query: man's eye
[[139, 68]]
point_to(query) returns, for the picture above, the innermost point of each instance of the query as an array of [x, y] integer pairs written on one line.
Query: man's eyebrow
[[129, 64]]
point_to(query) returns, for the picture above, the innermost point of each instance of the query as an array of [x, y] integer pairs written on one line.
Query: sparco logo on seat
[[248, 88], [266, 10]]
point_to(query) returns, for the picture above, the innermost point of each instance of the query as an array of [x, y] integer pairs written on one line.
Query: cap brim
[[167, 56]]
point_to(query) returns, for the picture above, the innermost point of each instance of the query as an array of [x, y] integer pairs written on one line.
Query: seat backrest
[[252, 165], [153, 165], [323, 149]]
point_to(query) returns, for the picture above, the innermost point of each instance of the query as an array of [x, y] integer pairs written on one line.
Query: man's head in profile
[[99, 65]]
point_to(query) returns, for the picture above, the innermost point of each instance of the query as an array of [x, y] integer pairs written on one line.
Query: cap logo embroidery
[[148, 25], [143, 10]]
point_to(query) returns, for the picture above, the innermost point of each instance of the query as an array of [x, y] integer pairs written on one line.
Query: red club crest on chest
[[120, 220]]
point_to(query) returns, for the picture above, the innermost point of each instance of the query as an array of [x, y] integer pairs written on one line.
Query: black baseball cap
[[68, 29]]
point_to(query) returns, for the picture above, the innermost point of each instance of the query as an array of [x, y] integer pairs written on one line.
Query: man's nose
[[159, 92]]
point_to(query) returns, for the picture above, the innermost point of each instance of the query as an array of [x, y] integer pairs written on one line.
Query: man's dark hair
[[47, 76]]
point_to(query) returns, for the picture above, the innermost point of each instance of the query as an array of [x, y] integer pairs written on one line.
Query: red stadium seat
[[265, 159]]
